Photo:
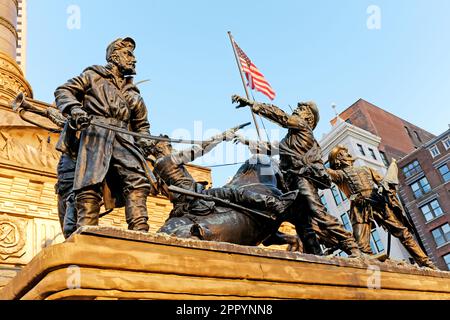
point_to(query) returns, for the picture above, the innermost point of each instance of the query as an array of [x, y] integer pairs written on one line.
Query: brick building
[[398, 136], [21, 54], [425, 187]]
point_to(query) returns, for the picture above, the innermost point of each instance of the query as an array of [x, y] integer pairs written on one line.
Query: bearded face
[[305, 113], [125, 61], [344, 158]]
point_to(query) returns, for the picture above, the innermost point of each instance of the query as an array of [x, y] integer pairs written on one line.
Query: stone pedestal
[[109, 263]]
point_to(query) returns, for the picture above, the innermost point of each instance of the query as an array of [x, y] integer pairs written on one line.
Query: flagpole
[[244, 84]]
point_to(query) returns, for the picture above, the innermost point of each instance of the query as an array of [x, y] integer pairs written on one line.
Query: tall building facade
[[364, 146], [398, 136], [425, 181], [21, 55]]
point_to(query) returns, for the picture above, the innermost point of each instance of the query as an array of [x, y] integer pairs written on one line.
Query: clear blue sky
[[308, 50]]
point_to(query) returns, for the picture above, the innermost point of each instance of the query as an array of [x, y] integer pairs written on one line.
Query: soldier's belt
[[110, 121]]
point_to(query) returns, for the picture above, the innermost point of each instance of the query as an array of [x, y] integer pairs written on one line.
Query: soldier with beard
[[105, 157]]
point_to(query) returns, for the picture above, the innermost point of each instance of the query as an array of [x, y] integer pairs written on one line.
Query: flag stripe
[[262, 86], [255, 78]]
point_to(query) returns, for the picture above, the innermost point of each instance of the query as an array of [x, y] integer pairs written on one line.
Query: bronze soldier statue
[[303, 170], [373, 199], [107, 94], [170, 168]]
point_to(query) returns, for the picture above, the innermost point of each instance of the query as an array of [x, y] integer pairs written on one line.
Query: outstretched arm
[[259, 147], [278, 116], [197, 151], [271, 112]]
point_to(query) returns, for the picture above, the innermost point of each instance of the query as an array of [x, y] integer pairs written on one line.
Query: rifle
[[220, 201], [21, 106], [150, 137]]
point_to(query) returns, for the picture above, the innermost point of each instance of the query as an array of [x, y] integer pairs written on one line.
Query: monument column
[[12, 80], [28, 214], [8, 23]]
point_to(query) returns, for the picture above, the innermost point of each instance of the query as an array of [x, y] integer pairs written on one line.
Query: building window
[[372, 153], [447, 260], [445, 173], [361, 150], [336, 195], [446, 143], [375, 242], [384, 158], [343, 196], [434, 150], [407, 131], [349, 121], [324, 202], [417, 136], [432, 210], [346, 222], [411, 169], [342, 254], [421, 187], [441, 235]]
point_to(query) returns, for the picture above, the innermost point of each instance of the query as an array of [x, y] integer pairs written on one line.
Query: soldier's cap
[[119, 44], [314, 109], [332, 157]]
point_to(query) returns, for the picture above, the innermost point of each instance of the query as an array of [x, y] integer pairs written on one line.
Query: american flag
[[255, 78]]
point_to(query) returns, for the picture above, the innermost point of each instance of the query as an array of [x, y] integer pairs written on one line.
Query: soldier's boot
[[311, 244], [136, 210], [427, 263], [361, 233], [417, 253], [87, 204], [355, 253], [70, 219]]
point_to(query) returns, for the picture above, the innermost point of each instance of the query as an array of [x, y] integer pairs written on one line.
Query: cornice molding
[[12, 80], [8, 25], [16, 3]]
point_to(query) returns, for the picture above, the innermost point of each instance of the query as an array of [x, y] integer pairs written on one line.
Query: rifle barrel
[[223, 202]]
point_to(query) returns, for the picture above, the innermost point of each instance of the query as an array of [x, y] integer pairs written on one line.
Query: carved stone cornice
[[16, 3], [12, 80], [8, 25]]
